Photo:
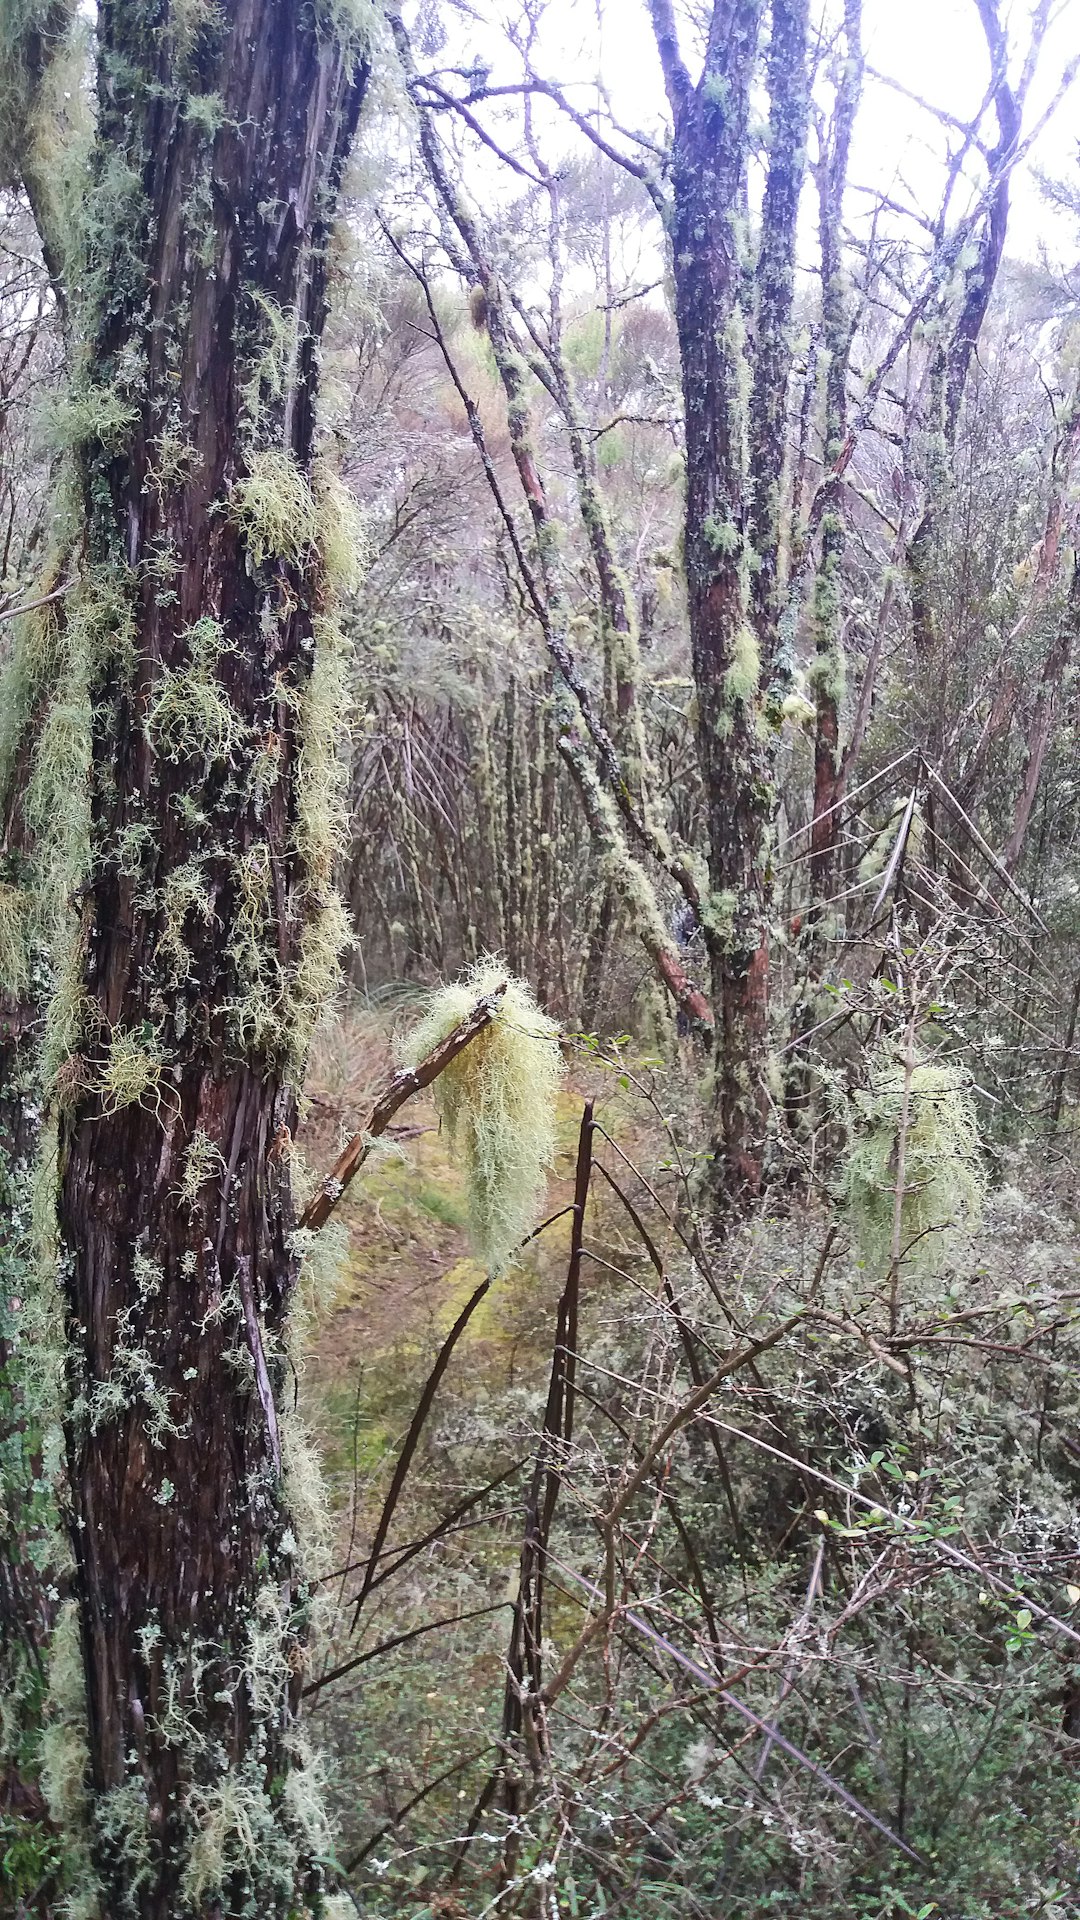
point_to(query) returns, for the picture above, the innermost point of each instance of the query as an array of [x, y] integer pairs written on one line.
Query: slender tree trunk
[[837, 323], [735, 449], [203, 680]]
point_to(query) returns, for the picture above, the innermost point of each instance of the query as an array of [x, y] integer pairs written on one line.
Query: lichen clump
[[276, 509], [943, 1177], [498, 1102]]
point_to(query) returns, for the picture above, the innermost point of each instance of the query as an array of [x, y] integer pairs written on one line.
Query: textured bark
[[837, 326], [180, 1523], [734, 458], [775, 288], [708, 174]]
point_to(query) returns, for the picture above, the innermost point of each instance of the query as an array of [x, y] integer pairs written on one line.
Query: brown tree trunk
[[208, 931], [734, 464], [837, 324]]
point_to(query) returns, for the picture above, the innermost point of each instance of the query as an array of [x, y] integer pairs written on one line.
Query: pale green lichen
[[265, 1670], [944, 1182], [355, 22], [342, 540], [498, 1102], [273, 328], [131, 1072], [70, 1018], [236, 1830], [191, 714], [801, 712], [14, 940], [206, 111], [173, 462], [276, 510], [64, 1752], [203, 1162], [91, 415], [64, 1761], [183, 894], [718, 915], [306, 1497], [827, 676], [321, 776], [324, 1265], [743, 676], [255, 1011], [121, 1819], [722, 536], [325, 936], [132, 1379]]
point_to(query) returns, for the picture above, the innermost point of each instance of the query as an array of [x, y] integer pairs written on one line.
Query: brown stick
[[31, 606], [401, 1088]]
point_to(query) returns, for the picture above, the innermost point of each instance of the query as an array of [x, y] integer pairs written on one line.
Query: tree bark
[[208, 931], [734, 459], [837, 325]]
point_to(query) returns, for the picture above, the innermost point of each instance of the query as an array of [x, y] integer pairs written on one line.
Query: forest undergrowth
[[842, 1602]]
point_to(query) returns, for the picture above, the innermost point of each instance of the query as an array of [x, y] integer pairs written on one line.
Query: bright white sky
[[935, 48]]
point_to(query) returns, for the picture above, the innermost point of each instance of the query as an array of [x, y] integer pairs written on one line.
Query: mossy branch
[[406, 1083]]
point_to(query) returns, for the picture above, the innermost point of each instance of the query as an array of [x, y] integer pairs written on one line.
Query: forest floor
[[412, 1725], [405, 1277], [409, 1270]]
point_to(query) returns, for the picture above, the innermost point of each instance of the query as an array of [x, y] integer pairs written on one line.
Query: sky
[[934, 48]]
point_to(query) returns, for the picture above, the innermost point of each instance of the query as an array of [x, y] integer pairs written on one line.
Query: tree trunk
[[202, 672], [734, 465]]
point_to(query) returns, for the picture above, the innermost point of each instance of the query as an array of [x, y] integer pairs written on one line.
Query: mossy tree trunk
[[208, 930], [734, 336], [27, 1512], [837, 327]]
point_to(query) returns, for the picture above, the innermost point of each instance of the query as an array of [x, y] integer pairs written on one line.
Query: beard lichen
[[943, 1183], [64, 1758], [321, 777], [191, 713], [131, 1071], [203, 1162], [275, 509], [14, 940], [236, 1830], [498, 1100], [343, 544], [184, 893]]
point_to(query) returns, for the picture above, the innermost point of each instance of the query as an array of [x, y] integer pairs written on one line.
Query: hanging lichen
[[498, 1102], [276, 509], [65, 1761], [943, 1182]]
